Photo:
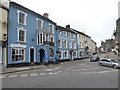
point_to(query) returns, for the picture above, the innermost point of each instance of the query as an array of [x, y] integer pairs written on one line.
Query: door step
[[32, 63]]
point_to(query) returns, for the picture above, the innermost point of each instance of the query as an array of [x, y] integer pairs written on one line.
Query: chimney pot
[[46, 15], [68, 26]]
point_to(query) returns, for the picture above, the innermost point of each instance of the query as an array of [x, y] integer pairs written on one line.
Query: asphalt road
[[77, 74]]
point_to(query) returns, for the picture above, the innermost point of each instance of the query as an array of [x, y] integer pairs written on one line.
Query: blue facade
[[31, 37], [67, 43]]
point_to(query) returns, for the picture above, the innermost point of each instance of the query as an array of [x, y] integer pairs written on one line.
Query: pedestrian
[[107, 56]]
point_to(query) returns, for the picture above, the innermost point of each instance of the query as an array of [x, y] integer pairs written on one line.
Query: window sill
[[22, 24], [22, 41]]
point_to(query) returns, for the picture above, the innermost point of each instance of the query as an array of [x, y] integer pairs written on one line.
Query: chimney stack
[[68, 26], [46, 15]]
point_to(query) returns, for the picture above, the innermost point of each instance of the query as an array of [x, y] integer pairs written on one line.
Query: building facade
[[117, 36], [67, 43], [84, 45], [31, 37], [27, 37], [3, 34], [93, 47]]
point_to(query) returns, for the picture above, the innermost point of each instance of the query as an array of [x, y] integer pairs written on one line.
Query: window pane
[[51, 53], [17, 54], [40, 38], [39, 24], [21, 35], [21, 18]]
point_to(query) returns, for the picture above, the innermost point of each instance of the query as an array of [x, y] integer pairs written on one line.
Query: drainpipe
[[7, 37]]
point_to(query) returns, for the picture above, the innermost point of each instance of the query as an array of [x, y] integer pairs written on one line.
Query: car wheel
[[101, 64], [114, 66]]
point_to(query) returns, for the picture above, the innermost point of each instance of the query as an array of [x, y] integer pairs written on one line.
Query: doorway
[[42, 55], [31, 55]]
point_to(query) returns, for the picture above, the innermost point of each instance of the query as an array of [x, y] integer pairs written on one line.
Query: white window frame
[[64, 54], [52, 28], [18, 51], [61, 54], [24, 35], [75, 54], [49, 53], [37, 19], [70, 44], [66, 44], [50, 38], [65, 33], [74, 45], [74, 35], [18, 11], [60, 43]]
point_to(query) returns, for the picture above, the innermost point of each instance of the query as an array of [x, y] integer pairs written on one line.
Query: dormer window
[[21, 17]]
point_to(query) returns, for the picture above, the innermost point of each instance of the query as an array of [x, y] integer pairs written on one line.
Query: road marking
[[56, 68], [107, 71], [88, 66], [23, 75], [82, 64], [50, 73], [43, 74], [83, 69], [2, 76], [88, 72], [100, 72], [34, 74], [70, 68], [57, 72], [12, 76], [48, 70]]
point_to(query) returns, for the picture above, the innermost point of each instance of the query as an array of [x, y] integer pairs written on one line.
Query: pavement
[[18, 69], [25, 68]]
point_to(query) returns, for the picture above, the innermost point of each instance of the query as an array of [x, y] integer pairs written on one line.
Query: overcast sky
[[97, 18]]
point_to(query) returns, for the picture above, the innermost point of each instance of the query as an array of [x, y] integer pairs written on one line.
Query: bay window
[[18, 54]]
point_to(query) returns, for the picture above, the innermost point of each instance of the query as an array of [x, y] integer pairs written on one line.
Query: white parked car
[[109, 62]]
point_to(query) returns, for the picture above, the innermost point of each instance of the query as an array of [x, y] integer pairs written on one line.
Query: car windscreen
[[113, 61]]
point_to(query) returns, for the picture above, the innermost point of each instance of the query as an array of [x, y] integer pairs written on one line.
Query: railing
[[48, 43]]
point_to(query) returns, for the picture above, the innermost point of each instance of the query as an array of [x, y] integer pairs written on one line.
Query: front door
[[32, 55], [42, 55]]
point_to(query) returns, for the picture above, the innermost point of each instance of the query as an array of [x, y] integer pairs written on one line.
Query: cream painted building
[[93, 47], [84, 44], [3, 33]]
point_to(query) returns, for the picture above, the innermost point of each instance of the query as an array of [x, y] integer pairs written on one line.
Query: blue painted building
[[67, 43], [31, 36]]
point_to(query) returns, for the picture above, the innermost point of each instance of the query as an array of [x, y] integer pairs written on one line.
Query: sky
[[96, 18]]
